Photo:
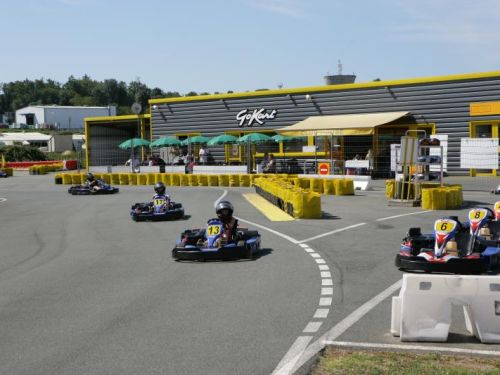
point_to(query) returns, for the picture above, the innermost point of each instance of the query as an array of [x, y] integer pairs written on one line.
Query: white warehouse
[[59, 117]]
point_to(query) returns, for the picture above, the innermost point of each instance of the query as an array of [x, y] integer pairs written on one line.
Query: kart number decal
[[477, 214], [213, 230], [497, 206], [159, 202], [444, 226]]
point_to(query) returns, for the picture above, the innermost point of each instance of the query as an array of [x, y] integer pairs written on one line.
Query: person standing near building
[[203, 154]]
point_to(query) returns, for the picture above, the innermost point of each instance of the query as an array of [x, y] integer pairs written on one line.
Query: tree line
[[80, 92]]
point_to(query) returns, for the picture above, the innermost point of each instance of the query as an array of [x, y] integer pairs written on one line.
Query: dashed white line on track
[[396, 216], [3, 199]]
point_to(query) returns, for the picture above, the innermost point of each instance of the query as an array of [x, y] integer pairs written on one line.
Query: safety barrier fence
[[318, 185], [67, 164], [295, 201], [45, 168], [422, 311], [434, 196]]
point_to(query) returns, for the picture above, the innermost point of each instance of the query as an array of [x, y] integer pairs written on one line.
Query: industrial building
[[59, 117], [455, 106]]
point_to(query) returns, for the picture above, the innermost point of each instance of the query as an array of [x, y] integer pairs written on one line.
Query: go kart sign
[[248, 117]]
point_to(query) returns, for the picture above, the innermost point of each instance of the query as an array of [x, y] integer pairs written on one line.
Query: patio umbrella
[[165, 142], [254, 138], [249, 139], [222, 140], [196, 140], [133, 143]]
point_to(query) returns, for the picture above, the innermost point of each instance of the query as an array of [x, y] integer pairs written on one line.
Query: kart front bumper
[[148, 216], [222, 253], [457, 266]]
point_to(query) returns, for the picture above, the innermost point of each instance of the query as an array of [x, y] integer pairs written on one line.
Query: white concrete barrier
[[360, 182], [220, 169], [422, 311]]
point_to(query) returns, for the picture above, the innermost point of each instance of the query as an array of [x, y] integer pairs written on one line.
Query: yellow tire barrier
[[295, 201], [175, 179], [123, 178], [328, 187], [202, 180], [316, 185], [192, 180], [244, 180], [223, 180], [151, 178], [67, 179], [234, 180], [132, 178], [183, 180], [213, 180]]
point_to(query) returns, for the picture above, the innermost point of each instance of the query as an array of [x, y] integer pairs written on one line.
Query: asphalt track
[[85, 290]]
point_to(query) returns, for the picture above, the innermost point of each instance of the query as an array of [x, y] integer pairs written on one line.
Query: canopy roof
[[355, 124]]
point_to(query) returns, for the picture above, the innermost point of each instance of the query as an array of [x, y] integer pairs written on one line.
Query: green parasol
[[166, 142], [222, 140], [133, 143]]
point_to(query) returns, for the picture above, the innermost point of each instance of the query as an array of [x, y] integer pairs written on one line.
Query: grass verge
[[347, 361]]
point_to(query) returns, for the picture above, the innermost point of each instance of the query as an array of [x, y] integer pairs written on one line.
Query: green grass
[[345, 361]]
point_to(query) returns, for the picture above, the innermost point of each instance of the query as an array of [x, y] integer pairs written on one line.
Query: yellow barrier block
[[202, 180], [175, 179], [234, 180], [158, 178], [165, 178], [426, 199], [150, 178], [67, 179], [312, 205], [223, 180], [115, 179], [183, 180], [389, 189], [348, 186], [123, 178], [244, 180], [328, 186], [192, 180], [213, 180], [106, 178], [316, 185], [142, 179], [58, 178], [132, 178], [76, 179]]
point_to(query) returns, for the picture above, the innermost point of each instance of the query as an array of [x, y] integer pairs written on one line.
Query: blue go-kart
[[157, 210], [209, 244], [100, 188]]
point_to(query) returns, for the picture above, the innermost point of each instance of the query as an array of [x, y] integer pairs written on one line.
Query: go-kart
[[157, 210], [3, 174], [454, 247], [496, 191], [209, 244], [101, 188]]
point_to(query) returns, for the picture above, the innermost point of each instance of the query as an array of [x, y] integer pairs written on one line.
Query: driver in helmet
[[92, 182], [224, 211], [160, 194]]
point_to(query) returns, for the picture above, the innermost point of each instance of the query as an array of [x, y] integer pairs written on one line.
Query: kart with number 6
[[472, 247]]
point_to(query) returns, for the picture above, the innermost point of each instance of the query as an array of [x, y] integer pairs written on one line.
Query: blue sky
[[241, 45]]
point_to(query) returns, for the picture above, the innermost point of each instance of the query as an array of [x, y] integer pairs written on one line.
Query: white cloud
[[458, 22], [289, 8]]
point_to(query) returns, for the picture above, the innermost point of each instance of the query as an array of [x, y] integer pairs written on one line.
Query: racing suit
[[165, 197]]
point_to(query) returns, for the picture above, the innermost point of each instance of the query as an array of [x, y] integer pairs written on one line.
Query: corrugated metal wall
[[444, 103]]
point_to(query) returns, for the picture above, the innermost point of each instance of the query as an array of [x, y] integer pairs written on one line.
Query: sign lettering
[[257, 116]]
